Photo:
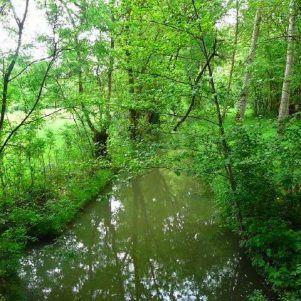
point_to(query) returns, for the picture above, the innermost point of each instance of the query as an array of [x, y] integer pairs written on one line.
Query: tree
[[285, 97], [233, 56], [242, 103], [7, 74]]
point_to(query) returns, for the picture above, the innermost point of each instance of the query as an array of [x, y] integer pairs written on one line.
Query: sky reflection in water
[[154, 239]]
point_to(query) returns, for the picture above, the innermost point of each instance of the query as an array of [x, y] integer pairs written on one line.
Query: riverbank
[[266, 168], [267, 175], [104, 254], [46, 219]]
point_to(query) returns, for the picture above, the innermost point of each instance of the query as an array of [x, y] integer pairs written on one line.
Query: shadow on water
[[155, 238]]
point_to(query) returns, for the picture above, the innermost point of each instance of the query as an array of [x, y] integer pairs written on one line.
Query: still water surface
[[154, 238]]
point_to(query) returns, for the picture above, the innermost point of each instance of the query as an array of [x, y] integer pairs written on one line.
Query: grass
[[48, 207], [268, 126], [56, 123], [60, 212]]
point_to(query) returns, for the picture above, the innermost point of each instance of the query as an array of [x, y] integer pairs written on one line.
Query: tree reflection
[[153, 240]]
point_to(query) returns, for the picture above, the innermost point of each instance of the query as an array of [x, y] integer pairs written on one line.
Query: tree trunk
[[285, 97], [242, 104], [110, 80], [7, 74], [100, 140], [153, 118], [110, 69], [233, 59], [100, 137], [195, 87], [133, 113]]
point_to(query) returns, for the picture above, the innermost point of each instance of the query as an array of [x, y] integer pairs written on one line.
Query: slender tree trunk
[[100, 137], [234, 50], [7, 74], [226, 149], [242, 104], [110, 80], [233, 59], [285, 97], [133, 113], [111, 68]]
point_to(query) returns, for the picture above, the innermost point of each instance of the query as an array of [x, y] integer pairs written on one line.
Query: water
[[156, 238]]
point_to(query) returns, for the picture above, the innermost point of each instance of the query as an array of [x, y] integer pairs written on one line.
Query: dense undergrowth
[[42, 191], [267, 174], [111, 72], [272, 229], [34, 220]]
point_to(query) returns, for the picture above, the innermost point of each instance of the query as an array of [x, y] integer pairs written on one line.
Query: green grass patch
[[79, 193], [48, 220]]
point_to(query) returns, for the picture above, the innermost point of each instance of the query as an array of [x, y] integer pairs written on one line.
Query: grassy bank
[[62, 211], [37, 221]]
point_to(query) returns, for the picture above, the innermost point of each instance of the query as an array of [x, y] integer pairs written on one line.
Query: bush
[[24, 224], [267, 172], [257, 296]]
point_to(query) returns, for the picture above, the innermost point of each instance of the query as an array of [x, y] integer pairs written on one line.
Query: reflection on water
[[154, 239]]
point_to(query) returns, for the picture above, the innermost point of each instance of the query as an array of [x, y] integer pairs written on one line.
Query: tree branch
[[11, 66], [197, 80], [14, 131], [29, 64]]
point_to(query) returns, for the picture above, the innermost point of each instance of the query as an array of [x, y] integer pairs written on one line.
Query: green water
[[154, 238]]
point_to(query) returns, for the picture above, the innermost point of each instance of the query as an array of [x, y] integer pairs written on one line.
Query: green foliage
[[266, 172], [45, 183], [59, 212], [257, 296], [129, 71], [49, 220], [12, 242]]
